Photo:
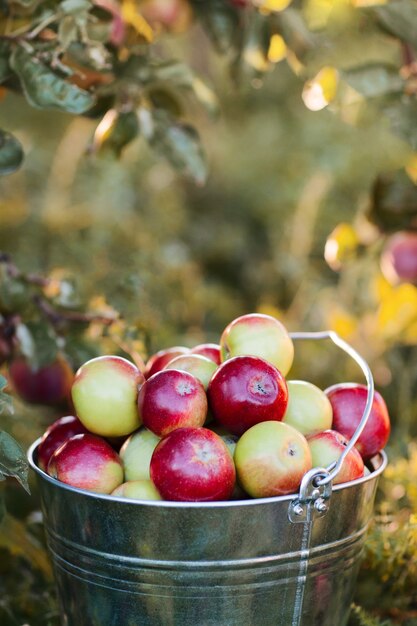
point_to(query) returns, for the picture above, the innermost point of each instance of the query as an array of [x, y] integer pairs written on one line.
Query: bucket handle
[[316, 485]]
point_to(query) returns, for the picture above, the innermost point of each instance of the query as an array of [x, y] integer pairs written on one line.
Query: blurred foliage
[[307, 113]]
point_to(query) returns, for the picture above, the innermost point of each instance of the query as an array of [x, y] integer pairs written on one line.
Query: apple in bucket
[[87, 462], [348, 403], [172, 399], [55, 435], [271, 459], [104, 394], [258, 335], [326, 448], [193, 465], [246, 390], [309, 409]]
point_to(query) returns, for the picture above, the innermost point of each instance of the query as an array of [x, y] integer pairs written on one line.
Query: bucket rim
[[379, 461]]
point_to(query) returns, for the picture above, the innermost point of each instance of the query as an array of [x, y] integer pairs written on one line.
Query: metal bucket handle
[[316, 486]]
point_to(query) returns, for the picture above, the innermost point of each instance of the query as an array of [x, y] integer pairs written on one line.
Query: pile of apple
[[209, 423]]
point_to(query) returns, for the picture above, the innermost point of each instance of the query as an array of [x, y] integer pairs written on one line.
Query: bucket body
[[120, 562]]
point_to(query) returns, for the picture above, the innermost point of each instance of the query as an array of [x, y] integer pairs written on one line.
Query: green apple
[[309, 409], [199, 366], [136, 453], [271, 459], [104, 393], [137, 490], [259, 335]]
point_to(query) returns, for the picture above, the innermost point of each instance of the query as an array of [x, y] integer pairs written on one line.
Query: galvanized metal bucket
[[284, 561]]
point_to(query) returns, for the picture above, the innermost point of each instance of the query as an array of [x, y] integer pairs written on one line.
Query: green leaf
[[221, 22], [13, 460], [115, 131], [73, 7], [39, 343], [183, 77], [375, 80], [6, 401], [2, 505], [44, 89], [11, 153], [180, 144], [5, 70], [399, 18]]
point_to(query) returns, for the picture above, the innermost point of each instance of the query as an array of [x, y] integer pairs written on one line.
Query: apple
[[195, 364], [258, 335], [271, 459], [136, 453], [50, 384], [309, 409], [157, 361], [209, 350], [399, 258], [193, 465], [137, 490], [348, 403], [55, 435], [87, 462], [327, 446], [172, 399], [245, 390], [104, 394]]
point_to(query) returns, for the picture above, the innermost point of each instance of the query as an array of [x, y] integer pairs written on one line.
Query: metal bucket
[[283, 561]]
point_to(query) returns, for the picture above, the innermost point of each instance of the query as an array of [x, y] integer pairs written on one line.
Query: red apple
[[399, 258], [136, 453], [158, 360], [348, 402], [48, 385], [87, 462], [271, 459], [137, 490], [309, 409], [327, 446], [258, 335], [247, 390], [104, 394], [209, 350], [172, 399], [55, 435], [193, 465], [195, 364]]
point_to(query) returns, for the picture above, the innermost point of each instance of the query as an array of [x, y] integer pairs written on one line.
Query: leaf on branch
[[181, 145], [375, 80], [221, 21], [11, 153], [13, 460], [6, 401], [399, 18], [115, 131], [183, 77], [5, 70], [72, 7], [44, 89], [37, 343]]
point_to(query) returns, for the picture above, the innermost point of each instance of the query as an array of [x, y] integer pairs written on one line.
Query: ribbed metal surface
[[127, 563]]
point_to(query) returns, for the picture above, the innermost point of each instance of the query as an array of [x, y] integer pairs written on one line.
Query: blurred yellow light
[[277, 49], [411, 168], [273, 5], [321, 90], [102, 131], [256, 59], [398, 313], [342, 322], [368, 3], [131, 16], [341, 245]]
